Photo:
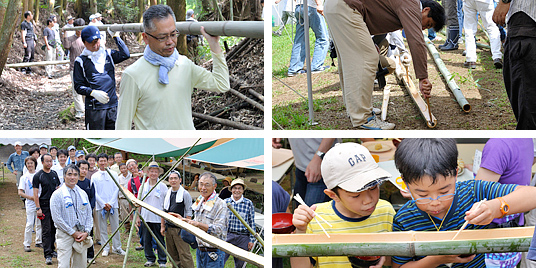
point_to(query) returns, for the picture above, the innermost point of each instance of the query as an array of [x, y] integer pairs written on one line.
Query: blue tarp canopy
[[155, 146], [240, 152]]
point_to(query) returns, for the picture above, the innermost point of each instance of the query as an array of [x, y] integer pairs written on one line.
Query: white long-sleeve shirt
[[106, 192], [155, 106]]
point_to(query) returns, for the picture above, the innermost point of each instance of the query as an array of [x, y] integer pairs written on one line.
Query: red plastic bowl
[[282, 223]]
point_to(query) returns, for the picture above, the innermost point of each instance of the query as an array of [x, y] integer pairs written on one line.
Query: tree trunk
[[93, 6], [78, 8], [141, 7], [24, 9], [51, 4], [179, 8], [36, 10], [110, 8], [152, 3], [206, 5], [61, 17], [8, 26]]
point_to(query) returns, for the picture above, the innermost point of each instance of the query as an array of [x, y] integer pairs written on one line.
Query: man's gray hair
[[156, 12], [210, 175]]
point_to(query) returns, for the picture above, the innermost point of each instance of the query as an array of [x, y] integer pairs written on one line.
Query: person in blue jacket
[[94, 77]]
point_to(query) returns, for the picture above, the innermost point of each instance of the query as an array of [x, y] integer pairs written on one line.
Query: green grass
[[20, 261], [282, 48], [291, 117]]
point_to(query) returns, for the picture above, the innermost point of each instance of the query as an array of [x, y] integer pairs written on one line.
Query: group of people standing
[[69, 196]]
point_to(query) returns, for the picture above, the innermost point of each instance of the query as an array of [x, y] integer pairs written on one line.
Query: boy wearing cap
[[237, 233], [429, 169], [353, 183], [94, 77], [43, 149], [80, 155]]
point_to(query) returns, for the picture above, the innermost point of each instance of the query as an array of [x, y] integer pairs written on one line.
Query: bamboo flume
[[251, 29]]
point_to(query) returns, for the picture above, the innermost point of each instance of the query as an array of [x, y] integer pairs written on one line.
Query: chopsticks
[[298, 198], [467, 222]]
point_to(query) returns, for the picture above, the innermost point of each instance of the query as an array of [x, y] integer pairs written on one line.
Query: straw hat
[[238, 181], [153, 164], [228, 179]]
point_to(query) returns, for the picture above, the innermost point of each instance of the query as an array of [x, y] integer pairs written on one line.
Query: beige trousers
[[123, 210], [67, 256], [96, 227], [178, 249], [50, 55], [357, 56], [78, 99]]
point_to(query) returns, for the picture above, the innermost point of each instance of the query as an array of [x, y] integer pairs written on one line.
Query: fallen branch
[[225, 122], [220, 112], [256, 94], [245, 98]]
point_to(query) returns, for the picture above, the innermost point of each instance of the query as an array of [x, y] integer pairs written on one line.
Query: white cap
[[17, 143], [92, 17], [351, 167], [98, 15]]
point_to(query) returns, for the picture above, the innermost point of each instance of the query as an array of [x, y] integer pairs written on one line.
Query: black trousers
[[519, 69], [101, 119], [49, 230], [148, 246], [29, 53], [90, 250]]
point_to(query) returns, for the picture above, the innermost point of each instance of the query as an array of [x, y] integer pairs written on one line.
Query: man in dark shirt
[[85, 184], [94, 77], [50, 46], [48, 181], [28, 40]]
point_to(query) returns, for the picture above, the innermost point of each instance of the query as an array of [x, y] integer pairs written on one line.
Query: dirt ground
[[483, 88], [13, 220]]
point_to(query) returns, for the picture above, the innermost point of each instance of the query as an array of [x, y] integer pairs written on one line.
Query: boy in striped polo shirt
[[353, 183], [429, 169]]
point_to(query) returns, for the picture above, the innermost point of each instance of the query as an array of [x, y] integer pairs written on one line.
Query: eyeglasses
[[172, 36], [428, 200]]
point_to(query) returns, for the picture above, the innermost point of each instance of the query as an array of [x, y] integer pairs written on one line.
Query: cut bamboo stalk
[[407, 244], [416, 97], [225, 122], [456, 91], [385, 102], [245, 98], [251, 29], [45, 63], [202, 235]]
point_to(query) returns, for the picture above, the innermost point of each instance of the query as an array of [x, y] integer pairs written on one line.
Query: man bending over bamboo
[[156, 90]]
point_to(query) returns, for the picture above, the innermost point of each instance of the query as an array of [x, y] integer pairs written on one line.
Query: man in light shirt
[[160, 84], [62, 159], [107, 205]]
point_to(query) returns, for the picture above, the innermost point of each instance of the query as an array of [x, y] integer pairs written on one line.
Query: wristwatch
[[37, 209], [320, 154], [504, 206], [506, 1]]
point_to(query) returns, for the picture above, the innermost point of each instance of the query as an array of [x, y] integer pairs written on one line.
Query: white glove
[[100, 95], [112, 33], [406, 59]]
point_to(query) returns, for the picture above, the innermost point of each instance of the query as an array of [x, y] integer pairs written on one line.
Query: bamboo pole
[[456, 91], [408, 244], [226, 122], [251, 29], [202, 235], [416, 97], [251, 231], [385, 102], [45, 63], [250, 101]]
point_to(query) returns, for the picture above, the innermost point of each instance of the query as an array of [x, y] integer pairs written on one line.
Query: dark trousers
[[101, 119], [147, 243], [452, 12], [519, 68], [311, 193], [90, 250], [49, 231], [29, 53], [239, 240]]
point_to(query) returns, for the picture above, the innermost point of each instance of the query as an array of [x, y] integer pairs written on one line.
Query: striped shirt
[[381, 220], [213, 213], [411, 218], [246, 210], [527, 6], [66, 219]]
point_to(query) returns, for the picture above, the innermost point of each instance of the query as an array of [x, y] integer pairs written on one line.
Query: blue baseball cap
[[79, 153], [90, 33], [71, 148]]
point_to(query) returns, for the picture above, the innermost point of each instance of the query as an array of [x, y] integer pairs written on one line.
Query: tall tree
[[51, 4], [179, 8], [93, 6], [78, 8], [36, 10], [8, 24]]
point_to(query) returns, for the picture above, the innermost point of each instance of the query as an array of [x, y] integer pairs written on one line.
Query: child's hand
[[380, 264], [482, 215], [302, 216], [457, 258]]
